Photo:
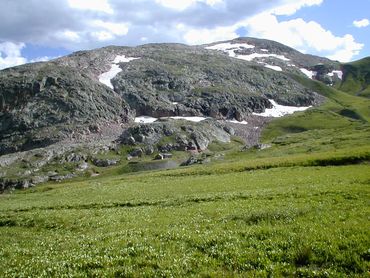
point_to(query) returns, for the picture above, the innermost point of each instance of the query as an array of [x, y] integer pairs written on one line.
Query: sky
[[40, 30]]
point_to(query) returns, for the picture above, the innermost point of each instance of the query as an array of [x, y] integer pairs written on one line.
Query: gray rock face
[[176, 135], [104, 162], [42, 103], [45, 104], [6, 184], [173, 80]]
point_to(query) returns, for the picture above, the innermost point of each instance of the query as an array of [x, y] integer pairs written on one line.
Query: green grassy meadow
[[298, 209]]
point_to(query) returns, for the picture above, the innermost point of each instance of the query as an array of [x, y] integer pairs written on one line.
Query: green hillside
[[298, 209], [357, 78], [340, 111]]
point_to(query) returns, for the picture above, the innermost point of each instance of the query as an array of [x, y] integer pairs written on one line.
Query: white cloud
[[176, 4], [86, 24], [93, 5], [181, 5], [202, 36], [68, 35], [288, 7], [110, 30], [10, 54], [361, 23], [310, 36], [102, 35], [118, 29], [42, 59]]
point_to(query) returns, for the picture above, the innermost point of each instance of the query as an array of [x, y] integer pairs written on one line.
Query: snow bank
[[229, 46], [237, 122], [191, 119], [277, 68], [148, 119], [106, 77], [308, 73], [230, 49], [338, 73], [280, 110], [145, 119], [253, 56]]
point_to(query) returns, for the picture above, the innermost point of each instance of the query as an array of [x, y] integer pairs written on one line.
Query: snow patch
[[149, 120], [253, 56], [106, 77], [190, 118], [237, 122], [277, 68], [338, 73], [145, 120], [308, 73], [230, 49], [278, 110], [229, 46]]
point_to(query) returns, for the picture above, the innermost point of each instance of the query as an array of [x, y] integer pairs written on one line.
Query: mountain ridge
[[90, 99]]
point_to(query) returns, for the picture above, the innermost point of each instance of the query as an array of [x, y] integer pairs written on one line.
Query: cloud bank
[[86, 24]]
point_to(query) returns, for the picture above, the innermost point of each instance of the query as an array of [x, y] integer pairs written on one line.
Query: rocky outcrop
[[8, 184], [184, 80], [43, 103], [178, 135]]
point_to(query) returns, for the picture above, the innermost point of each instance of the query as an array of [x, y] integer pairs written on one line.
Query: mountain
[[79, 106]]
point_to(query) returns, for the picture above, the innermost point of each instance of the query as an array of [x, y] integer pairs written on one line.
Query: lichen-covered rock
[[104, 162], [43, 103], [181, 135]]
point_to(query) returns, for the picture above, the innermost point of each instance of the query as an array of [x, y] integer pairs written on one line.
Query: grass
[[284, 221], [357, 79], [297, 209], [282, 211]]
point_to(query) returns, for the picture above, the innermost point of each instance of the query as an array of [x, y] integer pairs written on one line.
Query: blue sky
[[35, 30]]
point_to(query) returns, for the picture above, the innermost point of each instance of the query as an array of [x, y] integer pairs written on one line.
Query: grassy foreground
[[297, 209], [284, 221]]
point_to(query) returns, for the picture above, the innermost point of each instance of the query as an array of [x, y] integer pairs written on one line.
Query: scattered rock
[[105, 162], [60, 178], [39, 179], [137, 152], [192, 160], [7, 184], [83, 167], [162, 156], [170, 135]]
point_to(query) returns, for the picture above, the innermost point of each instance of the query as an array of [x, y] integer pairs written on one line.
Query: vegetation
[[357, 78], [298, 208]]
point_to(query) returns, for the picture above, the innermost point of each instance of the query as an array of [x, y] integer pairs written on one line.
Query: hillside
[[242, 158], [357, 78]]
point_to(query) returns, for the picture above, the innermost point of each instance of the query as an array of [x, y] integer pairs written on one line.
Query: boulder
[[104, 162]]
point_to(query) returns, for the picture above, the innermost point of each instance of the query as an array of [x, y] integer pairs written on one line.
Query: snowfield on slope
[[338, 73], [278, 110], [276, 68], [106, 77], [230, 49], [310, 74], [148, 119]]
